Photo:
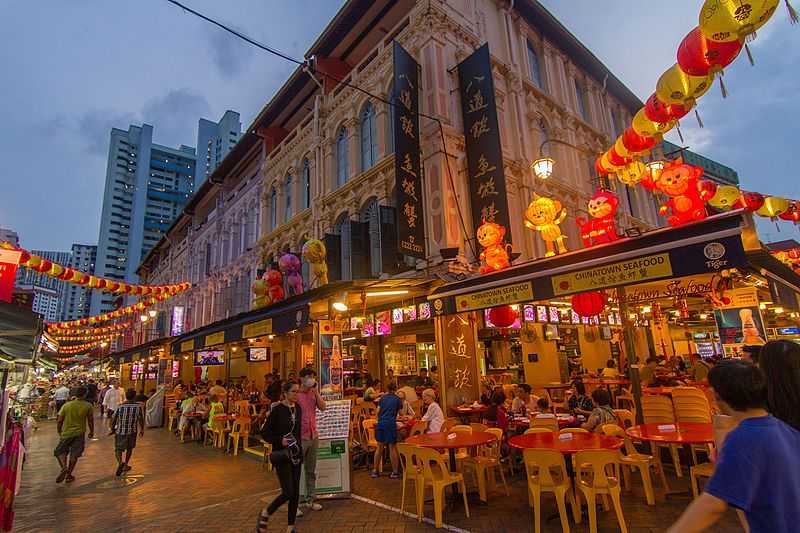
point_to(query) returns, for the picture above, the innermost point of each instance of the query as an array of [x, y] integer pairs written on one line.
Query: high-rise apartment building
[[9, 235], [48, 292], [214, 141], [147, 185], [77, 299]]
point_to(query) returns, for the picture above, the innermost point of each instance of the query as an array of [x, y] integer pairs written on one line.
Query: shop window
[[342, 168], [369, 138], [306, 184], [287, 194]]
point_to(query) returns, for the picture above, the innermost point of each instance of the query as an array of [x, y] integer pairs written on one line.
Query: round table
[[461, 439], [606, 381], [578, 442], [468, 411], [681, 433], [564, 420], [664, 391]]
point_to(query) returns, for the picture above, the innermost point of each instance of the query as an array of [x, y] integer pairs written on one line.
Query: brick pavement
[[176, 487]]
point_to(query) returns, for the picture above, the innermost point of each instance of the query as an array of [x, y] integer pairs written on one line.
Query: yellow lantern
[[677, 87], [729, 20], [773, 206], [56, 270], [725, 197], [620, 148], [646, 127], [632, 173], [607, 164], [76, 277]]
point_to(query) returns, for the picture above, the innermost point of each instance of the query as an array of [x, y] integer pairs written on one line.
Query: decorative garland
[[87, 331], [69, 275], [75, 338], [105, 317], [722, 33]]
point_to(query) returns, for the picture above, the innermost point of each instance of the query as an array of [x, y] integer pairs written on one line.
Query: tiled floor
[[176, 487]]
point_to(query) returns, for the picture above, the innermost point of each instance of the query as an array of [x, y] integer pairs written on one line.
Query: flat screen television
[[257, 354], [209, 357], [152, 371], [551, 332]]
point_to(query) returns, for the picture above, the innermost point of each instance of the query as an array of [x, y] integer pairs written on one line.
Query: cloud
[[175, 116], [229, 53], [94, 128]]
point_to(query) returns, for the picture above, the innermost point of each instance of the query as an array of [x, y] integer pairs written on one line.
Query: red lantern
[[615, 159], [792, 214], [658, 111], [636, 143], [24, 257], [503, 317], [707, 189], [752, 201], [84, 280], [588, 304], [599, 168], [698, 56], [101, 283]]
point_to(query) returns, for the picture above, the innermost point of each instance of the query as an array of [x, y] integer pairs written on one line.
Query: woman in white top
[[433, 415]]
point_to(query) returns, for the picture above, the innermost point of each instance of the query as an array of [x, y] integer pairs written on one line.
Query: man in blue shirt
[[386, 429], [758, 468]]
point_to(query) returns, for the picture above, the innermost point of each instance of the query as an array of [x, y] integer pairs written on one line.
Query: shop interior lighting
[[340, 304], [152, 313], [251, 341], [543, 167], [777, 310], [703, 316], [143, 318], [233, 349], [103, 344], [270, 337], [384, 293], [762, 306], [632, 316], [555, 302], [646, 309]]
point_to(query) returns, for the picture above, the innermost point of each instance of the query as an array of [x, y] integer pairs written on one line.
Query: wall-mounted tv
[[209, 357], [257, 354]]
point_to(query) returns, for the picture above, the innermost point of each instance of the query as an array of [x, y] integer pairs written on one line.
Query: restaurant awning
[[20, 330], [141, 351], [707, 246]]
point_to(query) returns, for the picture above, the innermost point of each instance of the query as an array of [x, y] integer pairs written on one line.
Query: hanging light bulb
[[543, 167]]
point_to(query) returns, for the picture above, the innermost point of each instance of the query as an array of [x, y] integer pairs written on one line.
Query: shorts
[[386, 433], [59, 405], [124, 442], [73, 446]]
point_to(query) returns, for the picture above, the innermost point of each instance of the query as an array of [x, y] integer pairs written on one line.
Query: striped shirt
[[126, 417]]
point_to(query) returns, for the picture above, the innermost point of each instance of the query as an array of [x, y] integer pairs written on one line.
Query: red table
[[578, 442], [606, 381], [563, 420], [683, 433], [467, 411], [664, 391], [462, 439]]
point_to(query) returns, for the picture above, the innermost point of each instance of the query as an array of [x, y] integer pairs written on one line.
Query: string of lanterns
[[78, 348], [724, 28], [74, 338], [119, 313], [87, 331], [69, 275]]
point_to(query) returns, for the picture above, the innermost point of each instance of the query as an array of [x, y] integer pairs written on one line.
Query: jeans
[[289, 479], [310, 447]]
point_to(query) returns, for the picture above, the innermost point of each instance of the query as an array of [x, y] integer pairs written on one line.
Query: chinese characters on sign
[[460, 359], [408, 174], [487, 182]]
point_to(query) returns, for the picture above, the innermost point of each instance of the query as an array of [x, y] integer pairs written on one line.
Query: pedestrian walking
[[61, 395], [111, 401], [310, 400], [282, 430], [73, 417], [127, 418]]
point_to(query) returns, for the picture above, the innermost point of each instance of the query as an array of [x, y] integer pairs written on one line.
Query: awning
[[20, 330], [707, 246], [139, 352]]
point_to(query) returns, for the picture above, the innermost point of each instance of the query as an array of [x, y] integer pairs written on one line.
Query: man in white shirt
[[433, 415], [61, 395], [219, 391], [113, 398]]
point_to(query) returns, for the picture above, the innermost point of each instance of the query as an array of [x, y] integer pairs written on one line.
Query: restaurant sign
[[510, 294], [257, 329], [673, 288], [215, 338], [187, 346], [621, 273]]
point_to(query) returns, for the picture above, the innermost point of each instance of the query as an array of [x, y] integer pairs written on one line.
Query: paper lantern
[[636, 143], [599, 168], [632, 173], [503, 317], [658, 111], [76, 276], [773, 206], [24, 257], [707, 189], [647, 128], [607, 164], [588, 304], [494, 256], [616, 159], [56, 270], [699, 56], [792, 213], [752, 201], [619, 148], [730, 20], [677, 87]]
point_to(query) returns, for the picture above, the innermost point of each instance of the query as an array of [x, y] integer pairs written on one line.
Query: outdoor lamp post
[[543, 166], [654, 169]]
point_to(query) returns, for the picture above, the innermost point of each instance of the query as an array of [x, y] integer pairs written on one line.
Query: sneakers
[[127, 467], [299, 512], [314, 506], [374, 474], [69, 479], [120, 469], [394, 475], [61, 476]]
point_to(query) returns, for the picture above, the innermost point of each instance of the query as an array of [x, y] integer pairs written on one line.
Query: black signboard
[[487, 181], [407, 168]]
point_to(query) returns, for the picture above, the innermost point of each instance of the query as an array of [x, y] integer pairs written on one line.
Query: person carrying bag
[[282, 430]]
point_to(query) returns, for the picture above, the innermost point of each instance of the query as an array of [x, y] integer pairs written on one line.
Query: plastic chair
[[370, 442], [546, 471], [411, 470], [696, 472], [593, 479], [437, 475], [461, 453], [478, 427], [448, 424], [547, 422], [483, 464], [625, 398], [240, 430], [537, 430], [657, 409], [220, 429], [267, 450], [574, 430], [241, 408], [172, 417], [625, 418], [632, 458], [419, 428]]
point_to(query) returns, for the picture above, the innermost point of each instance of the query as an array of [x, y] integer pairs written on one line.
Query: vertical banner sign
[[329, 354], [9, 260], [486, 179], [407, 168], [461, 371]]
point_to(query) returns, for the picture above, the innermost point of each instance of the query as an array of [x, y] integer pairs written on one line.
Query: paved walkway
[[176, 487]]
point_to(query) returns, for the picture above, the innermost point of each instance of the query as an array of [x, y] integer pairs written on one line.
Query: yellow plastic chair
[[448, 424], [370, 442], [461, 453], [625, 418], [537, 430], [241, 408], [632, 458], [549, 423], [483, 464], [437, 475], [267, 450], [478, 427], [625, 398], [703, 470], [546, 471], [220, 429], [419, 428], [574, 430], [240, 430], [595, 477], [172, 417], [658, 409], [411, 470]]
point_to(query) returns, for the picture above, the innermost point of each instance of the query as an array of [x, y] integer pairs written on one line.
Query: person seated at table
[[216, 408], [390, 377], [610, 371], [188, 406], [579, 402], [423, 380], [406, 411], [373, 392], [524, 402], [647, 373], [496, 414], [602, 414], [543, 407], [433, 413], [700, 368], [486, 394]]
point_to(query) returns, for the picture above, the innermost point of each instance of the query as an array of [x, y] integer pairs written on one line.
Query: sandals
[[61, 476], [261, 525]]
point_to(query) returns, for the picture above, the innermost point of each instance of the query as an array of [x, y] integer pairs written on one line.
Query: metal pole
[[630, 354]]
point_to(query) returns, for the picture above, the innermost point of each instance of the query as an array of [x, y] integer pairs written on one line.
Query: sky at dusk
[[73, 70]]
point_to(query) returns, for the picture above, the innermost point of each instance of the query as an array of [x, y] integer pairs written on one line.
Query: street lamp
[[143, 318], [152, 313], [654, 169], [543, 166]]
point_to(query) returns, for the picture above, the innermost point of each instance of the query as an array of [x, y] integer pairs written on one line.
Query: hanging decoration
[[677, 87], [494, 255], [69, 275], [632, 173], [588, 304], [87, 331], [600, 228], [773, 207], [792, 213], [752, 201], [75, 338], [314, 253], [111, 315], [726, 21], [289, 265], [545, 215], [725, 197], [680, 182], [503, 316], [274, 281]]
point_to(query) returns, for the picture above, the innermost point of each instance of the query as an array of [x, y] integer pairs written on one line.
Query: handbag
[[292, 452]]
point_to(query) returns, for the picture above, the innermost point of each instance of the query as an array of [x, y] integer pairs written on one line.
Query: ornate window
[[273, 209], [306, 184], [370, 215], [287, 194], [534, 67], [369, 138], [583, 103], [342, 170], [342, 228]]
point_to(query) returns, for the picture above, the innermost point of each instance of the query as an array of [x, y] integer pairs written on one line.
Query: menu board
[[334, 421]]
